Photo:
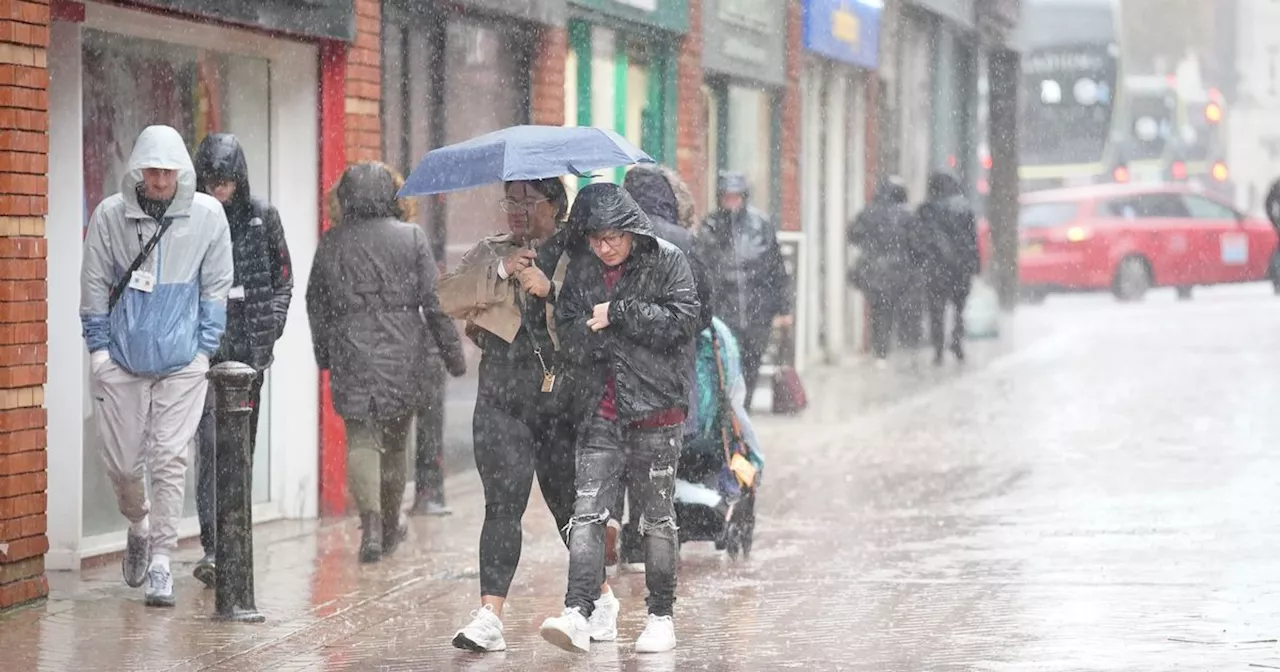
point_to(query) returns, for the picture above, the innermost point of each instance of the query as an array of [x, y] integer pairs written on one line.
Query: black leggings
[[519, 433]]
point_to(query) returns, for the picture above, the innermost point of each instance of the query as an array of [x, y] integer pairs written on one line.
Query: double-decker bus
[[1071, 67], [1173, 131]]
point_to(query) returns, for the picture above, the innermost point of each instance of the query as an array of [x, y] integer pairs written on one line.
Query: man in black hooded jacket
[[256, 307], [627, 315]]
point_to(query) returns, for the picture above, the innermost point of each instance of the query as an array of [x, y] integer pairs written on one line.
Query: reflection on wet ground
[[1093, 491]]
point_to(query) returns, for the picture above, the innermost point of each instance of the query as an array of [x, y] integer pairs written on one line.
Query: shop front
[[450, 72], [114, 71], [841, 40], [744, 61], [620, 72]]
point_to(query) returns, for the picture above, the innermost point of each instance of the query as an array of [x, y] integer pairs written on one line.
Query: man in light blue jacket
[[153, 303]]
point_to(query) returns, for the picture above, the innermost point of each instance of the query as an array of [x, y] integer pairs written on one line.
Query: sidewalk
[[323, 608]]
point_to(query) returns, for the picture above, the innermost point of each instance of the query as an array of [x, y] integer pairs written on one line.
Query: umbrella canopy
[[520, 153]]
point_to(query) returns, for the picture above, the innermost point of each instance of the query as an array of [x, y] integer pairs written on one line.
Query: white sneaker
[[603, 623], [483, 634], [159, 587], [659, 635], [569, 631]]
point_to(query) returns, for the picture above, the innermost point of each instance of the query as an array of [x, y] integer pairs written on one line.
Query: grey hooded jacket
[[158, 332]]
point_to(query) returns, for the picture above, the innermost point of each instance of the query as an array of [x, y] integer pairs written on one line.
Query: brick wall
[[364, 85], [691, 131], [24, 160], [790, 141], [546, 95]]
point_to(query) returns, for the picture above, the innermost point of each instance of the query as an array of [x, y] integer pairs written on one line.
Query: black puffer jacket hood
[[653, 192], [219, 159]]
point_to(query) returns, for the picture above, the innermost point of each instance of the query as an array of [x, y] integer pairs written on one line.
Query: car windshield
[[1045, 215]]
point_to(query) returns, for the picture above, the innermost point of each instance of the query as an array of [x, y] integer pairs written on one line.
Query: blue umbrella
[[520, 153]]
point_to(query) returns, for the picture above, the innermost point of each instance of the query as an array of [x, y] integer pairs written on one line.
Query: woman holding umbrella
[[505, 288]]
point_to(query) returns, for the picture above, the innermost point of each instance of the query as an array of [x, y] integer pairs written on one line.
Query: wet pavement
[[1095, 490]]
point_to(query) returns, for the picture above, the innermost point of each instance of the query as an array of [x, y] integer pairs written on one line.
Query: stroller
[[721, 464]]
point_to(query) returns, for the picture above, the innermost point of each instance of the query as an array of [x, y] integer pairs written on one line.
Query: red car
[[1130, 238]]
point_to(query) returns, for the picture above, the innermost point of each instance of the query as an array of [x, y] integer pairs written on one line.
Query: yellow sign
[[845, 26]]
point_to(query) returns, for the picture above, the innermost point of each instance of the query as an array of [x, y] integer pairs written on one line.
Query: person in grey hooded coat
[[375, 325]]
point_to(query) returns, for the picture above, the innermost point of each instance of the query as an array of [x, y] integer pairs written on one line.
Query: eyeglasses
[[515, 207], [612, 241]]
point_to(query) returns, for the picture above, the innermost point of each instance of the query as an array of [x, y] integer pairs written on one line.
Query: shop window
[[131, 83], [750, 141], [485, 89]]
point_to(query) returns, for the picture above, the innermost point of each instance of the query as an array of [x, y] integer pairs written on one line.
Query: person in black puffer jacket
[[626, 316], [257, 306]]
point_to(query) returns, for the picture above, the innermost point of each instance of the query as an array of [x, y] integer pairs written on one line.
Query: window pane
[[1203, 208], [1046, 215], [750, 141], [482, 93]]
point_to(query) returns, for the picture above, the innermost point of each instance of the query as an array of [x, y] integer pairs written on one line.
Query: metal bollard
[[233, 589]]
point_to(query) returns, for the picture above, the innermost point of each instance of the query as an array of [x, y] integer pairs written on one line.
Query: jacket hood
[[602, 206], [159, 147], [891, 191], [653, 192], [218, 159], [368, 191], [732, 182], [942, 186]]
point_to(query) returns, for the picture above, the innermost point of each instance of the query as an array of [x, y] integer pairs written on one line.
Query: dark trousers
[[605, 450], [941, 294], [753, 340], [884, 316], [206, 474], [429, 457], [519, 432]]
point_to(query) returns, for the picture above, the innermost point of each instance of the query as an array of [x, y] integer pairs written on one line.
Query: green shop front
[[620, 72], [744, 61]]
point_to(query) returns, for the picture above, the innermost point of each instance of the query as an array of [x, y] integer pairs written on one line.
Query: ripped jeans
[[649, 456]]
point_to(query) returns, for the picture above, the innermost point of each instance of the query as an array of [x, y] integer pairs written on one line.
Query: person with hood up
[[506, 288], [375, 324], [740, 247], [154, 281], [257, 307], [949, 231], [627, 312], [666, 199], [883, 234]]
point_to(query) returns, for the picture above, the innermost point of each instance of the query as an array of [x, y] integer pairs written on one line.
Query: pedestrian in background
[[739, 245], [257, 307], [882, 233], [949, 231], [375, 324], [153, 315]]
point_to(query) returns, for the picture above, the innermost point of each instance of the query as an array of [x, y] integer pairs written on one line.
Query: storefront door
[[117, 73]]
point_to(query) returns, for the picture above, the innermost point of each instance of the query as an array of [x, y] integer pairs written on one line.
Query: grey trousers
[[149, 422]]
